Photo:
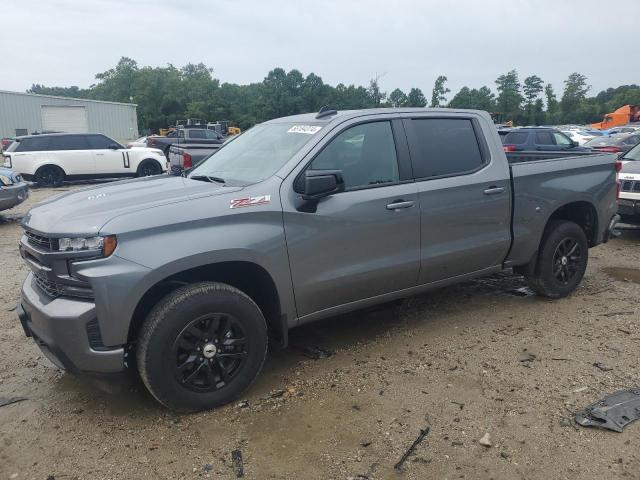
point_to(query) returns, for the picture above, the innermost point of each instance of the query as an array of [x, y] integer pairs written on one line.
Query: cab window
[[365, 153]]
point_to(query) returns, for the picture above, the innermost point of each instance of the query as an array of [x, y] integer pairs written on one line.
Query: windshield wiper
[[209, 178]]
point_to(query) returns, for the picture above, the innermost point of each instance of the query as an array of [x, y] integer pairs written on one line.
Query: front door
[[464, 194], [109, 160], [362, 242]]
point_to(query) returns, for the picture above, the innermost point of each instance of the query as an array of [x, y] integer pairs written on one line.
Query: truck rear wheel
[[201, 346], [562, 260]]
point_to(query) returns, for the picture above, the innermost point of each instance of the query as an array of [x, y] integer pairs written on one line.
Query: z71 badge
[[250, 201]]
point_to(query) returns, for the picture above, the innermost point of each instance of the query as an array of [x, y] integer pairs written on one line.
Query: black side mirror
[[114, 146], [574, 144], [322, 183]]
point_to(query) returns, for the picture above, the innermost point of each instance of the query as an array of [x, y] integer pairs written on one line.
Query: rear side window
[[443, 147], [99, 142], [68, 142], [545, 137], [33, 144], [515, 138], [197, 134]]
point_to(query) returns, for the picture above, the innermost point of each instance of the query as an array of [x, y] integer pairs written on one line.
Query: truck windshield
[[256, 154]]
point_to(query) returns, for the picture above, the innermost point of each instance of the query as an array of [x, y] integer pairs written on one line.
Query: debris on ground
[[207, 467], [316, 353], [527, 357], [613, 412], [423, 433], [485, 441], [243, 404], [602, 366], [9, 400], [236, 460], [581, 389]]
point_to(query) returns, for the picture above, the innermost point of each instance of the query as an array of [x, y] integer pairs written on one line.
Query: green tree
[[416, 98], [533, 86], [377, 96], [575, 92], [479, 99], [438, 94], [509, 99], [398, 98], [552, 104]]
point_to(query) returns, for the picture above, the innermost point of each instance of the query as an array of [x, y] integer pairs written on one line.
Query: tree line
[[167, 94]]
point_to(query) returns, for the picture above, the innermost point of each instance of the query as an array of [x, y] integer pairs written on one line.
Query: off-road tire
[[171, 317], [543, 281]]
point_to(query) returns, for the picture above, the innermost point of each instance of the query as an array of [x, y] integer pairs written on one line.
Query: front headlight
[[6, 181], [106, 245]]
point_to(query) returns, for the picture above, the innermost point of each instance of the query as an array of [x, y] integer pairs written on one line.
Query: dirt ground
[[454, 360]]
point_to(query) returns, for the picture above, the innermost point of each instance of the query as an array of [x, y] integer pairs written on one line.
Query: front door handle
[[398, 204], [493, 190]]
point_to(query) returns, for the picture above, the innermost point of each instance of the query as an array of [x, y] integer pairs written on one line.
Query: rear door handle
[[398, 204], [493, 190]]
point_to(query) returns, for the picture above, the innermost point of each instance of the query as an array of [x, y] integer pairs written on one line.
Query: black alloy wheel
[[567, 260], [209, 351]]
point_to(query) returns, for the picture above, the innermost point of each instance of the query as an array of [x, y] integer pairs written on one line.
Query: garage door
[[63, 118]]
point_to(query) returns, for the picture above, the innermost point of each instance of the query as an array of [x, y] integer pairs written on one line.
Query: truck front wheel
[[201, 346], [562, 260]]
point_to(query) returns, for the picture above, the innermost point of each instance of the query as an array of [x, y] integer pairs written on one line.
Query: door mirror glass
[[114, 146], [322, 183]]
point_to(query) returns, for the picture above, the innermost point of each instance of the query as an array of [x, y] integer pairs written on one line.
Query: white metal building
[[26, 113]]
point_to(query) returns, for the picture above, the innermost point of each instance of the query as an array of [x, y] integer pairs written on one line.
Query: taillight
[[609, 149], [509, 148], [186, 160], [617, 165]]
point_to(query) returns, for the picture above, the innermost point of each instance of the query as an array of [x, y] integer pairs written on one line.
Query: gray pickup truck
[[202, 136], [298, 219], [185, 156]]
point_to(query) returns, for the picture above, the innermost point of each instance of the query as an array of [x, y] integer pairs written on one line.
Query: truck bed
[[541, 185], [532, 156]]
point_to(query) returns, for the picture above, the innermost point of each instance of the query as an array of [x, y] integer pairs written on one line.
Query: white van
[[52, 158]]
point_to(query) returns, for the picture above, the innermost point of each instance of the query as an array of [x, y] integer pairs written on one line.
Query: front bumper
[[62, 327], [13, 195]]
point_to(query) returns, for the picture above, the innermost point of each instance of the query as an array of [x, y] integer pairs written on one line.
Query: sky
[[408, 43]]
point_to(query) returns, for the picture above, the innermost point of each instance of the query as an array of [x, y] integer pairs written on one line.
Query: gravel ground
[[481, 357]]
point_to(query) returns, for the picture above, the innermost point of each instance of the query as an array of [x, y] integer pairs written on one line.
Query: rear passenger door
[[109, 161], [464, 196], [72, 153], [545, 140]]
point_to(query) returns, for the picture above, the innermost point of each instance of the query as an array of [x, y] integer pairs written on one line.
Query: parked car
[[626, 129], [632, 155], [579, 136], [52, 158], [298, 219], [138, 142], [620, 143], [5, 142], [13, 190], [629, 199], [538, 138], [185, 135], [185, 156]]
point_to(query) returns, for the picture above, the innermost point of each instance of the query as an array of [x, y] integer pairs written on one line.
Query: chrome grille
[[39, 241], [631, 186]]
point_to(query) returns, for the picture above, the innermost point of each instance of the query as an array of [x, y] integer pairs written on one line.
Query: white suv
[[49, 159]]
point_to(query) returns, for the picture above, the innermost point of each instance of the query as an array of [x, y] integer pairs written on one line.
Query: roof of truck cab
[[348, 114]]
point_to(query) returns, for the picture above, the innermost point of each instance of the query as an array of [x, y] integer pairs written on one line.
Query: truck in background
[[622, 116]]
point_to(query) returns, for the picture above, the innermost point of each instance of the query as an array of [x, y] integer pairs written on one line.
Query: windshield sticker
[[250, 201], [308, 129]]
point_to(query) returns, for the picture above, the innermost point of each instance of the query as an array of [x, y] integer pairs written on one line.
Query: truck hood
[[85, 211]]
